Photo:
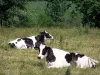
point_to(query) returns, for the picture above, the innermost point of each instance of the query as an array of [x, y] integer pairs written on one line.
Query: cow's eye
[[16, 42]]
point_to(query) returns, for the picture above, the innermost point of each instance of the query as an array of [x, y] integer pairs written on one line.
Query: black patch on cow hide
[[79, 55], [50, 56], [73, 57], [37, 46], [29, 42], [40, 38], [70, 57], [18, 39]]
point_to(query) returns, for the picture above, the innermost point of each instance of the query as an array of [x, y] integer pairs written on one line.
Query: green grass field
[[25, 62]]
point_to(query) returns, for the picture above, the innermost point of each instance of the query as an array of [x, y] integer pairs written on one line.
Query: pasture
[[25, 62]]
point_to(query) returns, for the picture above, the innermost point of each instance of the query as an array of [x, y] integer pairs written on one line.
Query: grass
[[25, 62]]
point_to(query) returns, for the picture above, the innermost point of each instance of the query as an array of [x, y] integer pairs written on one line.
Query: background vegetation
[[49, 13], [25, 62], [12, 13]]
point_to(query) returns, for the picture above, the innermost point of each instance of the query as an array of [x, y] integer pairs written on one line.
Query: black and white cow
[[29, 42], [57, 58]]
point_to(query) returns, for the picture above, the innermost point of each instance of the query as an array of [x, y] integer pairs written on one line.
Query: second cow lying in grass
[[29, 42]]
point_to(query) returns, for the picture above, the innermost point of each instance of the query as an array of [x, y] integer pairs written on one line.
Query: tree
[[56, 9], [90, 10], [11, 12]]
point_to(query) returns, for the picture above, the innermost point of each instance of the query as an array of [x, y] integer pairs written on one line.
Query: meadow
[[25, 62]]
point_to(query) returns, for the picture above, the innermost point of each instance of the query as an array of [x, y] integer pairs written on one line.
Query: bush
[[90, 9], [56, 9], [12, 13], [45, 21]]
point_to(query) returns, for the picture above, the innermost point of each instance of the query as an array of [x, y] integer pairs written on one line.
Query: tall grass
[[25, 62]]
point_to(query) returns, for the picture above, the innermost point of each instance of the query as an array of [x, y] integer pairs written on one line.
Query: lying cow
[[57, 58], [29, 42]]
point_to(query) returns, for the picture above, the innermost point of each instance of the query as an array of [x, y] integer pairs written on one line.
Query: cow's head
[[46, 35]]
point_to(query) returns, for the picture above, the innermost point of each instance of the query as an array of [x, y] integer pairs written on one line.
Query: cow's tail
[[93, 63]]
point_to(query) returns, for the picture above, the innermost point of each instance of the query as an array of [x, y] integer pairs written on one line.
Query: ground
[[25, 62]]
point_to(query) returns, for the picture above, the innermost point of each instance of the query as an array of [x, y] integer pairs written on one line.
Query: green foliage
[[39, 18], [35, 9], [12, 13], [45, 21], [56, 9], [49, 13], [90, 10]]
